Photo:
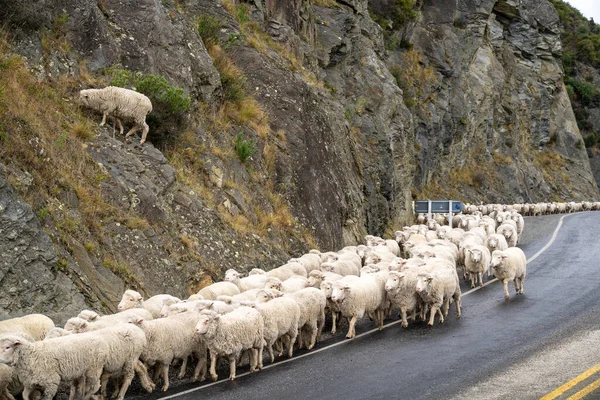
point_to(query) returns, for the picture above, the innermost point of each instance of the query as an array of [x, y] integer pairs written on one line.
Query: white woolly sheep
[[509, 232], [34, 325], [125, 343], [170, 338], [510, 265], [43, 364], [217, 289], [256, 281], [230, 334], [341, 267], [312, 304], [436, 289], [477, 261], [316, 277], [120, 103], [496, 241], [133, 299], [357, 297], [79, 325], [333, 307], [402, 293], [287, 271], [281, 316], [290, 285], [310, 262], [57, 332]]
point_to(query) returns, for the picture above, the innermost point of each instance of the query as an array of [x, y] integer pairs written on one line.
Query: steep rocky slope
[[307, 124]]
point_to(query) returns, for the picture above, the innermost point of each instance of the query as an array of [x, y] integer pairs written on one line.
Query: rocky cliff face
[[348, 131]]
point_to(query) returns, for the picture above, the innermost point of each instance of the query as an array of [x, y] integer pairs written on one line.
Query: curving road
[[561, 300]]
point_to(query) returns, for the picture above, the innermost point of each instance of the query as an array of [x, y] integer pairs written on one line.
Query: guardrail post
[[428, 209]]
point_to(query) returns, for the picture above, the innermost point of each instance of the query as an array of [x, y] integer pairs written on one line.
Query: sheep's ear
[[504, 256], [17, 343], [401, 275], [347, 288], [429, 278], [210, 305]]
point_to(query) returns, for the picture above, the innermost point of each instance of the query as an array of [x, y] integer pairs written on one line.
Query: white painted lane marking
[[536, 255]]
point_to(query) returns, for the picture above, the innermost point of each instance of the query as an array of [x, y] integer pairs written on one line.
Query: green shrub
[[585, 91], [590, 140], [244, 148], [208, 28]]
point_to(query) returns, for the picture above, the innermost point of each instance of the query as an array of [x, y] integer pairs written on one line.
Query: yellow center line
[[586, 390], [557, 392]]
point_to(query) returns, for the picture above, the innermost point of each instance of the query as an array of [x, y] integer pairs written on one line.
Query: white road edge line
[[536, 255]]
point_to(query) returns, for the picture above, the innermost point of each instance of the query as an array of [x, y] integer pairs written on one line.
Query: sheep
[[357, 297], [290, 285], [401, 291], [217, 289], [477, 262], [316, 277], [183, 306], [436, 289], [120, 103], [125, 343], [347, 257], [509, 232], [78, 325], [133, 299], [250, 282], [510, 265], [281, 316], [172, 338], [311, 262], [34, 325], [496, 242], [287, 271], [230, 334], [312, 304], [520, 222], [341, 267], [43, 364], [88, 315]]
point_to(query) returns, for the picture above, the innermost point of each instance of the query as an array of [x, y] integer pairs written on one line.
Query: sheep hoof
[[232, 377], [214, 377], [165, 388]]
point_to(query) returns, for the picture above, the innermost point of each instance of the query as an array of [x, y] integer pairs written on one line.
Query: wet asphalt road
[[423, 362]]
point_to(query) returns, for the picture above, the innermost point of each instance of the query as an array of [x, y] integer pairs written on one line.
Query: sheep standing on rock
[[510, 265], [121, 104], [230, 334]]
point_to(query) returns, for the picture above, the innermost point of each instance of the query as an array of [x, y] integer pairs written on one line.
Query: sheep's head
[[314, 279], [8, 345], [326, 288], [130, 299], [475, 255], [206, 319], [88, 315], [263, 296], [423, 282], [76, 325], [394, 279], [84, 97], [327, 267], [498, 260], [273, 283], [493, 242], [340, 291], [231, 275]]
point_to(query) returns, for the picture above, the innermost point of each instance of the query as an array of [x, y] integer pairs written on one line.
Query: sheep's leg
[[6, 395], [300, 340], [270, 351], [516, 283], [128, 374], [458, 302], [260, 357], [232, 360], [144, 132], [292, 339], [120, 126], [200, 367], [333, 321], [49, 392], [320, 324], [156, 377], [521, 285], [164, 367], [133, 130], [183, 367], [103, 383], [445, 306], [313, 338], [351, 332], [434, 310], [92, 379], [142, 372], [213, 366], [253, 359], [505, 283], [104, 115], [481, 279], [403, 313], [279, 347]]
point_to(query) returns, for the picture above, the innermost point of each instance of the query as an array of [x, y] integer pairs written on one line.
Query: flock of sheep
[[416, 274]]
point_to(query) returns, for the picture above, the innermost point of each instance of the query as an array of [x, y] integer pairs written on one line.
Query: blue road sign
[[438, 206]]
